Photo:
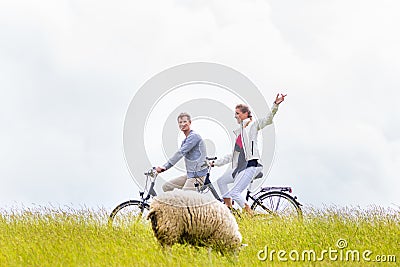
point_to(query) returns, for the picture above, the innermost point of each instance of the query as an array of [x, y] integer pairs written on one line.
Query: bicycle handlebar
[[152, 172]]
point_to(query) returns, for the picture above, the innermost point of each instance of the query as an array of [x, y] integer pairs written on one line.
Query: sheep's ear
[[150, 214]]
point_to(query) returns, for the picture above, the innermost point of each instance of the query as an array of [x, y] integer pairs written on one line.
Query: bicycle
[[276, 201]]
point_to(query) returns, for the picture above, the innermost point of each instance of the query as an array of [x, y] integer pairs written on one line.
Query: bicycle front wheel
[[128, 212], [278, 204]]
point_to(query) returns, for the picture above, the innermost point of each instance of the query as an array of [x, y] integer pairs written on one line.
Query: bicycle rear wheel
[[128, 212], [278, 204]]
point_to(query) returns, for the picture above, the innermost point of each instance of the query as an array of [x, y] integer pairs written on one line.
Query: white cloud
[[69, 70]]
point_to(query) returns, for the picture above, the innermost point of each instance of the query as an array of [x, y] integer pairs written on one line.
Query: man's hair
[[184, 114], [243, 108]]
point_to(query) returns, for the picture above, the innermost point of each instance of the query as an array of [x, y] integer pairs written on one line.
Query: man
[[194, 151]]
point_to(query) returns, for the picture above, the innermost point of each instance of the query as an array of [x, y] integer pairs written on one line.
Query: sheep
[[189, 217]]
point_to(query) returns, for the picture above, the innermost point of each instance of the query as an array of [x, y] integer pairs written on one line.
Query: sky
[[70, 69]]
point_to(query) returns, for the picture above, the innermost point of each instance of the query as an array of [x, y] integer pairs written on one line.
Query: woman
[[245, 157]]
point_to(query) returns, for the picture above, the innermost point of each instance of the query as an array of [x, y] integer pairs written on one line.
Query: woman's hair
[[243, 108], [184, 114]]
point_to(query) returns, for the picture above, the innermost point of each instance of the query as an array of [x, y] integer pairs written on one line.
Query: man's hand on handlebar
[[160, 169]]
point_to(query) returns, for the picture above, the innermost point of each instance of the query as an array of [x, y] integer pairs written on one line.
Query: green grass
[[67, 237]]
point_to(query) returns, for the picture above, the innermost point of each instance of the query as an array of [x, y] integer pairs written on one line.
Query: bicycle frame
[[208, 185], [152, 175]]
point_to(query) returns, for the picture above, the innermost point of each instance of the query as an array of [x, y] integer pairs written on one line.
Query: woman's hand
[[280, 99]]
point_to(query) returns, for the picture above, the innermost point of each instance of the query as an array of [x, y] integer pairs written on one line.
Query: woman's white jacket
[[248, 130]]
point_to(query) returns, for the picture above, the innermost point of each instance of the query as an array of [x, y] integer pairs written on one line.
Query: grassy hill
[[326, 237]]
